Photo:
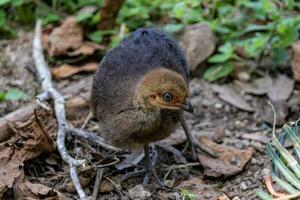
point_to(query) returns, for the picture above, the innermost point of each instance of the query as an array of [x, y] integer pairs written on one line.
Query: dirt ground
[[223, 123]]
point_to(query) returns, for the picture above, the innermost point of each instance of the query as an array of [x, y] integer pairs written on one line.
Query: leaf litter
[[56, 174]]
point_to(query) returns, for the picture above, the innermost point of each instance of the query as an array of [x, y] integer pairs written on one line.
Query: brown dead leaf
[[68, 36], [198, 42], [87, 48], [296, 60], [229, 94], [281, 88], [106, 186], [28, 190], [33, 138], [84, 181], [66, 70], [230, 160]]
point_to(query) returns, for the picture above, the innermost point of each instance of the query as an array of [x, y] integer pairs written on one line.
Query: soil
[[213, 117]]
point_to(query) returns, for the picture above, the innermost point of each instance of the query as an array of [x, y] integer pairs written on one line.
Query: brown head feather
[[155, 84]]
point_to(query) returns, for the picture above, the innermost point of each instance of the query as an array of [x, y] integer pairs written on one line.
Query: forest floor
[[237, 133]]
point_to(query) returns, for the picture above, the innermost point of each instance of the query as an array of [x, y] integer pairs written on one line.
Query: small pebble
[[243, 186], [139, 193]]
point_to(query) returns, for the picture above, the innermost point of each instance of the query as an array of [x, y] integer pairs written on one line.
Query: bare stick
[[97, 183], [59, 107], [92, 137]]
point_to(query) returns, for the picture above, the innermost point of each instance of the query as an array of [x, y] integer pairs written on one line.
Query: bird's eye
[[168, 96]]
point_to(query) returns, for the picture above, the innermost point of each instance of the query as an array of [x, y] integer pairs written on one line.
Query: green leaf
[[219, 58], [83, 17], [2, 96], [218, 71], [4, 2], [16, 94], [173, 28], [178, 10], [268, 6], [95, 36], [226, 54], [50, 18]]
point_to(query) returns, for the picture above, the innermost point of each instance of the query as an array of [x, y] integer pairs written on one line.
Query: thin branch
[[51, 92], [92, 137], [97, 183]]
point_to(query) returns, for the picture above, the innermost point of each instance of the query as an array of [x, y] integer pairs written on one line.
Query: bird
[[140, 91]]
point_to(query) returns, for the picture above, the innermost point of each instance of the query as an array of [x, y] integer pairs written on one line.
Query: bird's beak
[[188, 107]]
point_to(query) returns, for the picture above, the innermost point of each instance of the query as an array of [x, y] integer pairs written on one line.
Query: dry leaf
[[87, 48], [27, 190], [69, 36], [230, 95], [106, 186], [66, 70], [229, 162], [198, 42], [281, 88], [31, 141], [296, 60], [84, 182]]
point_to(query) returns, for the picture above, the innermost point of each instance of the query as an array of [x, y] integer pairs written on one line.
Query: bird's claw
[[145, 172]]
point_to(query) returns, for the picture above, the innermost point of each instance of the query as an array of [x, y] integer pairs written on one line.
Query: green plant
[[285, 163], [13, 95], [263, 29], [187, 195]]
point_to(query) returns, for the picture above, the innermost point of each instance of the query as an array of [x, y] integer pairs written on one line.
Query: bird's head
[[164, 89]]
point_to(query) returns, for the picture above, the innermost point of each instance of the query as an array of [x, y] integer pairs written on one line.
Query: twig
[[115, 185], [92, 137], [87, 119], [59, 107], [97, 183]]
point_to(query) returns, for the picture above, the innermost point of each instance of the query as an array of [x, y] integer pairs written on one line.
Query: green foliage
[[13, 95], [187, 195], [286, 163], [218, 71], [261, 29]]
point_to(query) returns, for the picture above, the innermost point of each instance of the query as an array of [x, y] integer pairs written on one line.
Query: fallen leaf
[[106, 186], [138, 192], [277, 89], [281, 88], [229, 162], [198, 42], [84, 181], [87, 48], [28, 190], [256, 87], [296, 60], [66, 70], [229, 94], [218, 135], [68, 36], [32, 139], [256, 137], [281, 108]]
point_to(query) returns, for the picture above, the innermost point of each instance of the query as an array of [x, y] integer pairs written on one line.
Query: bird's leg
[[193, 142], [150, 170]]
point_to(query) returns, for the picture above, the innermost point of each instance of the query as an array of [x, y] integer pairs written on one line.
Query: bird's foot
[[148, 171]]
